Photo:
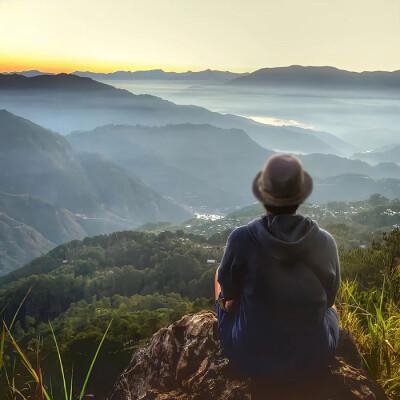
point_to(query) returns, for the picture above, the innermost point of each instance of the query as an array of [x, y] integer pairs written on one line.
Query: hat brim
[[269, 200]]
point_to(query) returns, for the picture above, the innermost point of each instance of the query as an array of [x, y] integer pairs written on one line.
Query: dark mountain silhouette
[[159, 74], [66, 103], [321, 77], [29, 73], [65, 82]]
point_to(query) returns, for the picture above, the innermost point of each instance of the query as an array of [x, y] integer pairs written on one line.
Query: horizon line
[[179, 70]]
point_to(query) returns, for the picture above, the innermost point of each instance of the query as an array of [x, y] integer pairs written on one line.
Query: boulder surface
[[184, 362]]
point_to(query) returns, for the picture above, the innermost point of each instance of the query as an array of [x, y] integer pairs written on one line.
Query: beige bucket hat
[[282, 182]]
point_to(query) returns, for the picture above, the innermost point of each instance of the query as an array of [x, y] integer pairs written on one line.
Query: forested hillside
[[143, 281], [353, 223]]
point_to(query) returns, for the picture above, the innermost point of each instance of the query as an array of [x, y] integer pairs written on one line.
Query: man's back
[[284, 271]]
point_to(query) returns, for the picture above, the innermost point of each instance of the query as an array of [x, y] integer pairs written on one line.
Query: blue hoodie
[[284, 270]]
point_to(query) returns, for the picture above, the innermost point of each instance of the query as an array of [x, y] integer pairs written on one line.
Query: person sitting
[[276, 285]]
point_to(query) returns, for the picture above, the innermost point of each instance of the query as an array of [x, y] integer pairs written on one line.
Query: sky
[[102, 35]]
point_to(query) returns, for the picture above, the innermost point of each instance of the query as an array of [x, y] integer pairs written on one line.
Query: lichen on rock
[[184, 362]]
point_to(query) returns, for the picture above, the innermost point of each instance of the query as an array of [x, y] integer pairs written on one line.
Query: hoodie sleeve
[[334, 287], [230, 270]]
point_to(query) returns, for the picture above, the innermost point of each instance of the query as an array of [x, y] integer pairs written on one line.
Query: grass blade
[[71, 384], [60, 362], [2, 341], [19, 308], [82, 393], [27, 363]]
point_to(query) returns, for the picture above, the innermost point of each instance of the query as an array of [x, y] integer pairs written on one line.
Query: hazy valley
[[128, 159], [118, 191]]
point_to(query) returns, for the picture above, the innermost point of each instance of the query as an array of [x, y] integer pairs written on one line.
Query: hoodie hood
[[283, 231]]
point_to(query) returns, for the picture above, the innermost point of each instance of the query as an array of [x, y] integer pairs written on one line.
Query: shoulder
[[238, 234], [328, 239], [327, 236]]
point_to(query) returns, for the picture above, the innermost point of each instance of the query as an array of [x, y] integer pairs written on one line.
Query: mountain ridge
[[85, 109], [325, 76], [160, 74]]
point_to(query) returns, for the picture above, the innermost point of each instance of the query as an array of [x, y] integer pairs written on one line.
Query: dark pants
[[226, 321]]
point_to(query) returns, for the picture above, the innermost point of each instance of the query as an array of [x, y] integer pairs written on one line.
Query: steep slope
[[58, 196], [39, 162], [66, 103], [57, 225], [197, 164], [127, 199], [19, 243], [321, 77]]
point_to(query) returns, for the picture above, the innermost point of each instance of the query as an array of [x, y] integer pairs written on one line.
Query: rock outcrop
[[184, 362]]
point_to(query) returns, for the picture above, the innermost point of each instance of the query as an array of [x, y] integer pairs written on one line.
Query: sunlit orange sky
[[105, 35]]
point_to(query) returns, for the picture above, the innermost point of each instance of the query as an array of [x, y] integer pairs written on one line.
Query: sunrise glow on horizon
[[181, 35], [11, 64]]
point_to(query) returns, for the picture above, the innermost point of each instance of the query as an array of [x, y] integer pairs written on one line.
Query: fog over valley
[[96, 153], [365, 119]]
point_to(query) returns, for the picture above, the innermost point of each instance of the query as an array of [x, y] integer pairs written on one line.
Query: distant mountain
[[336, 143], [57, 225], [354, 187], [321, 77], [30, 227], [66, 103], [36, 161], [199, 165], [19, 243], [388, 154], [124, 197], [31, 73], [65, 82], [327, 165], [39, 162], [372, 139], [57, 195], [159, 74]]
